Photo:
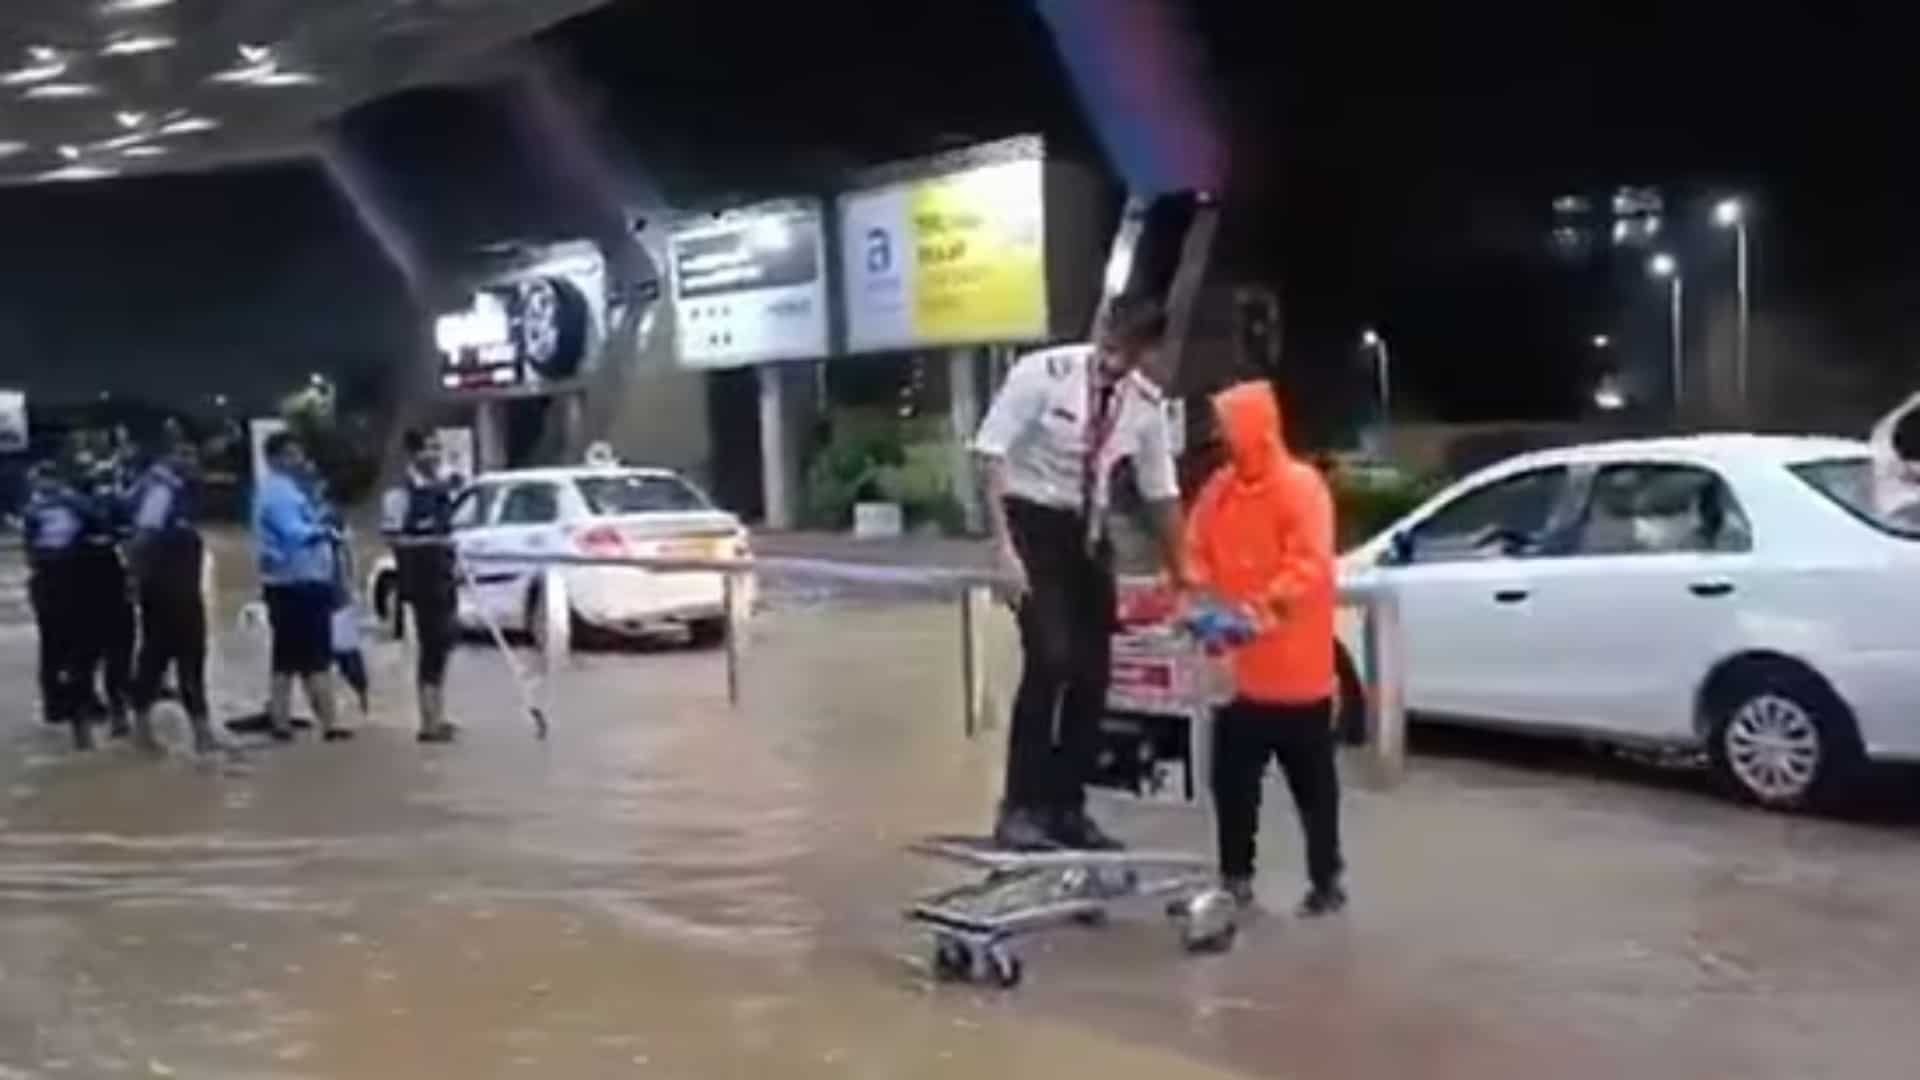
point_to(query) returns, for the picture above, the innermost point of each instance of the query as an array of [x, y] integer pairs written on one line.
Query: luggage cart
[[1155, 747]]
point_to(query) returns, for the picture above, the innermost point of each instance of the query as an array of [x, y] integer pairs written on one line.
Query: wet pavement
[[669, 887]]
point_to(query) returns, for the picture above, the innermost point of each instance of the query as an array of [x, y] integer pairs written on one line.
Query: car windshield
[[1849, 482], [639, 493]]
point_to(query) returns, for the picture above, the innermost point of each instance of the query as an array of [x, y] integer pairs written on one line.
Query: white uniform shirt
[[1040, 425]]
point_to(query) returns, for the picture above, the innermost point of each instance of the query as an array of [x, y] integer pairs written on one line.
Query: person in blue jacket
[[295, 544]]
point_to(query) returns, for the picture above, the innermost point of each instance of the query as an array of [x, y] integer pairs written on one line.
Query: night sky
[[1389, 168]]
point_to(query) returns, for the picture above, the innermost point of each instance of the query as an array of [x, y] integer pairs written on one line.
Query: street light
[[1382, 370], [1665, 266], [1732, 214], [1601, 341]]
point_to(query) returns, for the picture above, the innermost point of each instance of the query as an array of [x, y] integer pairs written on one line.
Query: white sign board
[[750, 287], [457, 456], [13, 421], [958, 259]]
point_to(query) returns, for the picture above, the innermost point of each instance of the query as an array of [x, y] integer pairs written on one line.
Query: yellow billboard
[[955, 259]]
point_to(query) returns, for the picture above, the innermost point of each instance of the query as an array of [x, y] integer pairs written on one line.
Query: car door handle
[[1711, 588], [1511, 596]]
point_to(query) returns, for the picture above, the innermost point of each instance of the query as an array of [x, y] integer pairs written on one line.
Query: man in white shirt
[[1048, 448], [1895, 446]]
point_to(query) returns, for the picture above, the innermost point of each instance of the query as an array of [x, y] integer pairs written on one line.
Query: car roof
[[572, 472], [1718, 449]]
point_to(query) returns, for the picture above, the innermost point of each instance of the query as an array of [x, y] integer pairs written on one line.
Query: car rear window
[[1849, 482], [638, 493]]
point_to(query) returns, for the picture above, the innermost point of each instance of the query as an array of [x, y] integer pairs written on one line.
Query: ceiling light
[[137, 45], [257, 54], [276, 77], [189, 125], [61, 90], [70, 152], [130, 119], [145, 150], [132, 7], [246, 73], [10, 147], [78, 172], [42, 64], [119, 142]]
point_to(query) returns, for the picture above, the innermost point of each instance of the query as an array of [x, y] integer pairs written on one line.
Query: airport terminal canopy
[[98, 88]]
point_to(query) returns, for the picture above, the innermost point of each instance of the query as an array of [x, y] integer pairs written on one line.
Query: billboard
[[533, 324], [13, 421], [749, 286], [953, 259]]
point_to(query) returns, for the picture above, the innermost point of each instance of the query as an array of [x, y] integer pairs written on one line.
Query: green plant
[[849, 470], [343, 448]]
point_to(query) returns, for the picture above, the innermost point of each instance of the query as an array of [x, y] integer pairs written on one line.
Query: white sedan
[[607, 511], [1736, 593]]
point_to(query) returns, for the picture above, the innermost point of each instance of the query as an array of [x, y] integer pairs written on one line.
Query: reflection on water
[[671, 888]]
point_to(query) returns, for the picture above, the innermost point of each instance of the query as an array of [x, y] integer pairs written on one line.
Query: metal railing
[[1381, 663]]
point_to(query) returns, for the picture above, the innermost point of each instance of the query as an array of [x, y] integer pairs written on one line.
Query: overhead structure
[[93, 89]]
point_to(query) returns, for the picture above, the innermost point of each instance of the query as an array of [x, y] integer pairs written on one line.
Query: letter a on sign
[[879, 251]]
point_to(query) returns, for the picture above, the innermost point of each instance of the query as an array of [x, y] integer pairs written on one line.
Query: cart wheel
[[1208, 922], [952, 960], [1219, 941], [1003, 967]]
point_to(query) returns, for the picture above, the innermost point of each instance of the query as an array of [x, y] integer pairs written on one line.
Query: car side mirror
[[1399, 550]]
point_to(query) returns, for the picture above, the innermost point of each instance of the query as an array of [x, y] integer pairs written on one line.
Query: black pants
[[56, 612], [173, 634], [104, 637], [1066, 643], [1301, 739], [433, 628]]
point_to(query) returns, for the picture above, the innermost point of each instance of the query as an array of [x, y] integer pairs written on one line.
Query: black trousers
[[173, 634], [1301, 738], [104, 638], [433, 628], [1066, 644], [56, 613]]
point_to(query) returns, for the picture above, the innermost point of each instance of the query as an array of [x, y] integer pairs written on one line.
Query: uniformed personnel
[[417, 519], [167, 555], [52, 521], [1049, 448]]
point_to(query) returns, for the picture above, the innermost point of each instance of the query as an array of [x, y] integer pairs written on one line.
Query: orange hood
[[1249, 415]]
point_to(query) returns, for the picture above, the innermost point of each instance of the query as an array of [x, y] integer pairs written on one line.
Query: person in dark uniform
[[167, 554], [104, 638], [417, 519], [52, 521], [106, 591]]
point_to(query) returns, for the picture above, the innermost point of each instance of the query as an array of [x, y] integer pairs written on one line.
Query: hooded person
[[1260, 541]]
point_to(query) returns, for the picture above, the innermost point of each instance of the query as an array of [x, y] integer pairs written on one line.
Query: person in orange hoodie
[[1260, 541]]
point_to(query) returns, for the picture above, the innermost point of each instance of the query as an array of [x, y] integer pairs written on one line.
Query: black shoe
[[1020, 829], [444, 733], [1322, 900], [1240, 888], [337, 734], [1074, 829]]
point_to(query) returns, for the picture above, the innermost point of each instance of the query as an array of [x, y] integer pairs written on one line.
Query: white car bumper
[[623, 599]]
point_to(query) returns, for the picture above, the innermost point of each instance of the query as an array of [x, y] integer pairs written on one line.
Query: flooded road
[[672, 888]]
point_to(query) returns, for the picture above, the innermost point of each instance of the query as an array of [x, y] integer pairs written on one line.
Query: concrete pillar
[[777, 463], [490, 435], [963, 390]]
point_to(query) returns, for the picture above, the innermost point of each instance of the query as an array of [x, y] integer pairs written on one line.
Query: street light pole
[[1731, 213], [1382, 376], [1664, 265]]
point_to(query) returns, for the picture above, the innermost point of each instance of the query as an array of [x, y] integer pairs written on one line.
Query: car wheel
[[1350, 699], [1780, 738], [708, 633]]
